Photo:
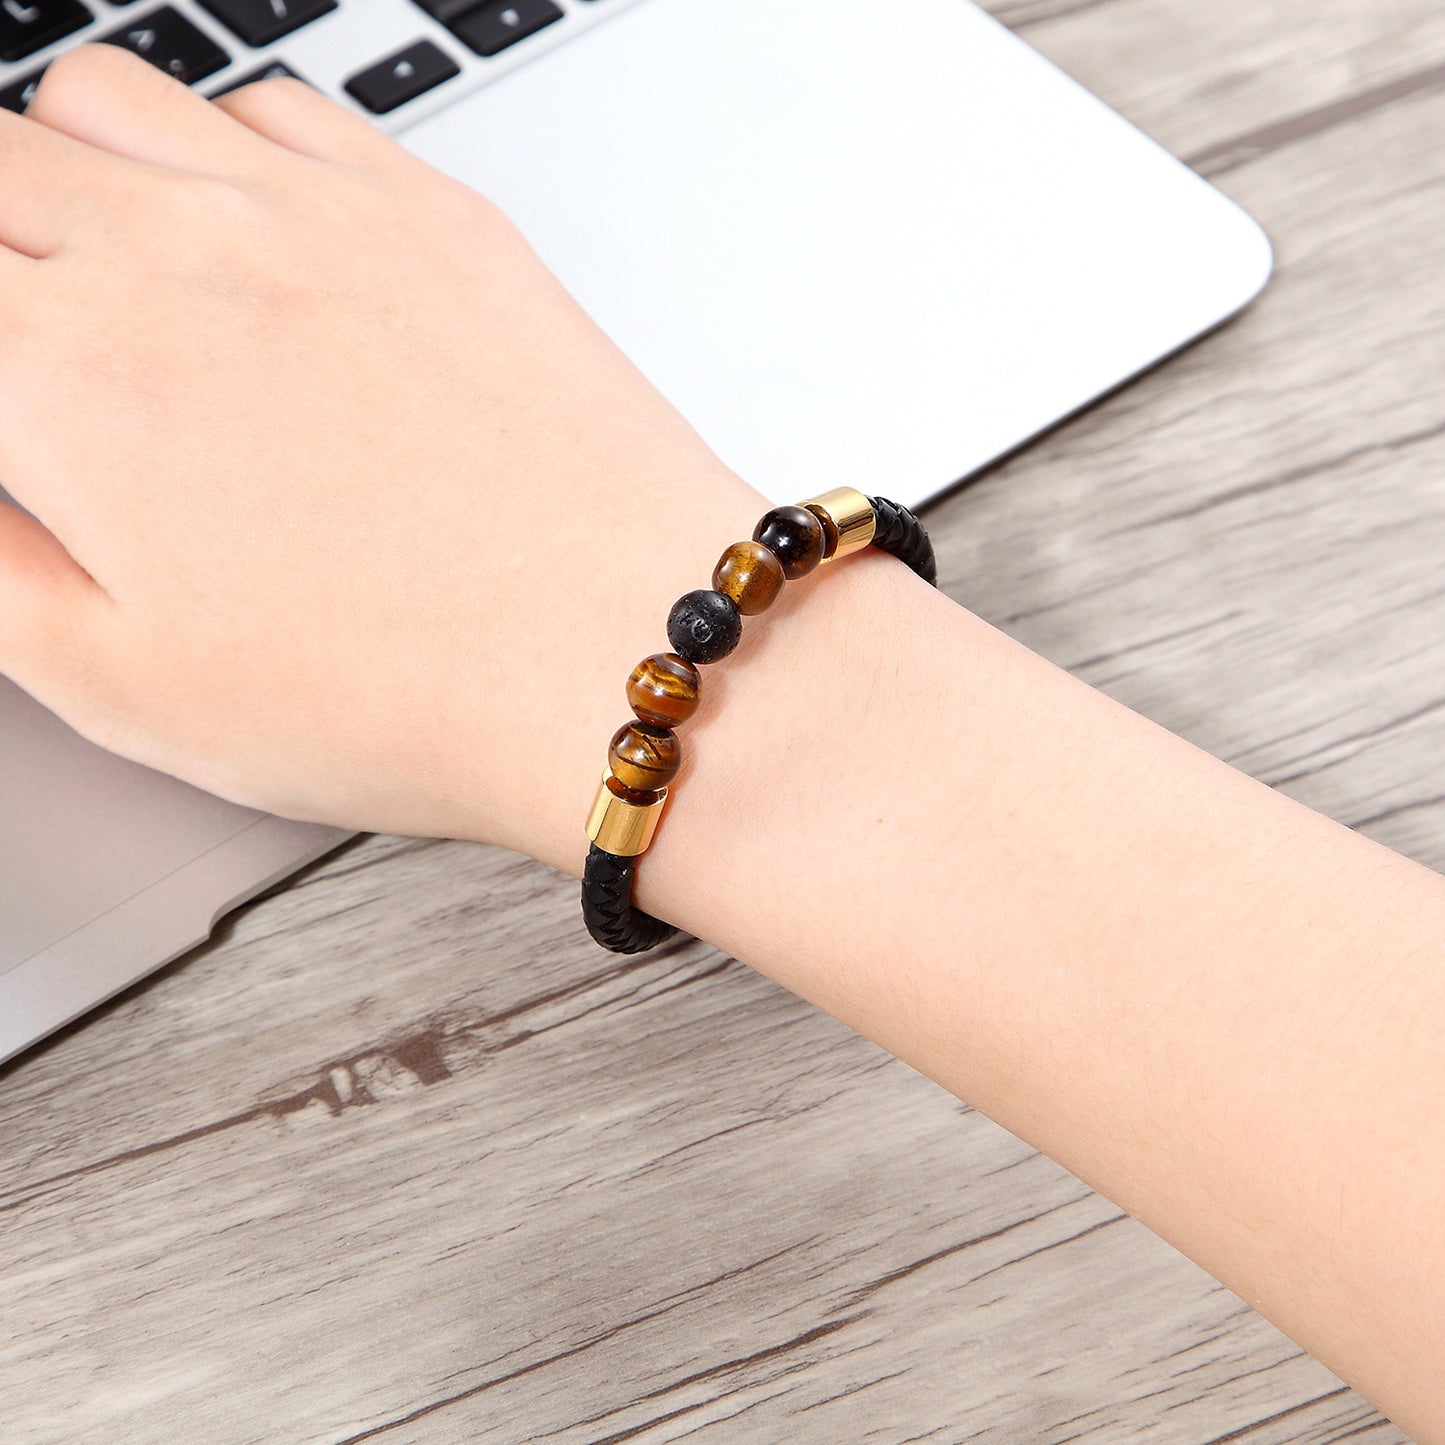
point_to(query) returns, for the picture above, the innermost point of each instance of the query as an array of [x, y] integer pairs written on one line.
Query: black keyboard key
[[19, 93], [30, 25], [402, 77], [259, 22], [171, 43], [491, 28], [272, 70], [446, 10]]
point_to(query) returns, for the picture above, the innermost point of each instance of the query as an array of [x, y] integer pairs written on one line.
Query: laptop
[[866, 242]]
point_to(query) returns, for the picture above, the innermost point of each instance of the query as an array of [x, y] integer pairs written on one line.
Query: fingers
[[49, 183], [99, 106], [46, 602], [290, 113], [117, 102]]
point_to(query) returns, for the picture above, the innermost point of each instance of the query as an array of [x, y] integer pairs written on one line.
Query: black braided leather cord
[[607, 878], [901, 533], [607, 905]]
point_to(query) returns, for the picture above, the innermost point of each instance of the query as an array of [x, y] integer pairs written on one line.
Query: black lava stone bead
[[704, 625], [794, 536]]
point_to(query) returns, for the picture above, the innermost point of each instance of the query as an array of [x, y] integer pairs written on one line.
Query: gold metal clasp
[[847, 518], [618, 823]]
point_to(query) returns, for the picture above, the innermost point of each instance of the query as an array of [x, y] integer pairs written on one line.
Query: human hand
[[345, 509]]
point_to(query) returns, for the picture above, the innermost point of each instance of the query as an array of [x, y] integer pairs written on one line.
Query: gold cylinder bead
[[619, 823], [847, 518]]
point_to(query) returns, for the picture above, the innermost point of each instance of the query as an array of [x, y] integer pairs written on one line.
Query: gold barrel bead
[[847, 518], [751, 575], [621, 821], [643, 756], [663, 689]]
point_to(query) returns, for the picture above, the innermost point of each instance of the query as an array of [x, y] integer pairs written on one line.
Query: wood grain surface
[[402, 1156]]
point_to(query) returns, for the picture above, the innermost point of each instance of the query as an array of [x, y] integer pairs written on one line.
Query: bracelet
[[663, 689]]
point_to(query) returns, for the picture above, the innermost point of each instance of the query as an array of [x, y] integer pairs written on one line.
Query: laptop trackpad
[[82, 831]]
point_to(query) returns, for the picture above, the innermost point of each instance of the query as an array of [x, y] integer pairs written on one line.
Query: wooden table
[[402, 1156]]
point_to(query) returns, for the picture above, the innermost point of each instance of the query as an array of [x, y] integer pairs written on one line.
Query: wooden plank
[[1201, 77], [1259, 539], [401, 1156]]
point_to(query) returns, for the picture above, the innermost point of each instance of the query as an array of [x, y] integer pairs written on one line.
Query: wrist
[[624, 620], [780, 744]]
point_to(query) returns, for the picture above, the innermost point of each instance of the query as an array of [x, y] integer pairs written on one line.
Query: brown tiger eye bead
[[795, 535], [644, 757], [829, 526], [751, 575], [663, 689], [642, 796]]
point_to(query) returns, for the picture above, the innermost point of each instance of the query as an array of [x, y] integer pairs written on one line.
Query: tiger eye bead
[[644, 757], [795, 536], [830, 529], [751, 575], [704, 626], [663, 689]]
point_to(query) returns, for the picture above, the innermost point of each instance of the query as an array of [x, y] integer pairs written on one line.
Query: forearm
[[1217, 1007]]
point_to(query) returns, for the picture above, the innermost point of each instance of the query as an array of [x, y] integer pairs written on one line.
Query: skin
[[342, 508]]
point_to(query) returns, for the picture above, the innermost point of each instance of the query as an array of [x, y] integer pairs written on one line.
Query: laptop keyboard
[[397, 59], [401, 77], [260, 22], [171, 43]]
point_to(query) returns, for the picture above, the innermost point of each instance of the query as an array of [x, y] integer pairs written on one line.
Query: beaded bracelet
[[663, 689]]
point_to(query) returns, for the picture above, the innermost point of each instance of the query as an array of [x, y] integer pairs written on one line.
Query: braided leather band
[[607, 906]]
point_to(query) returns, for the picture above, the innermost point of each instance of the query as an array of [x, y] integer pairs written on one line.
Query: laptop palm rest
[[109, 870], [117, 828]]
